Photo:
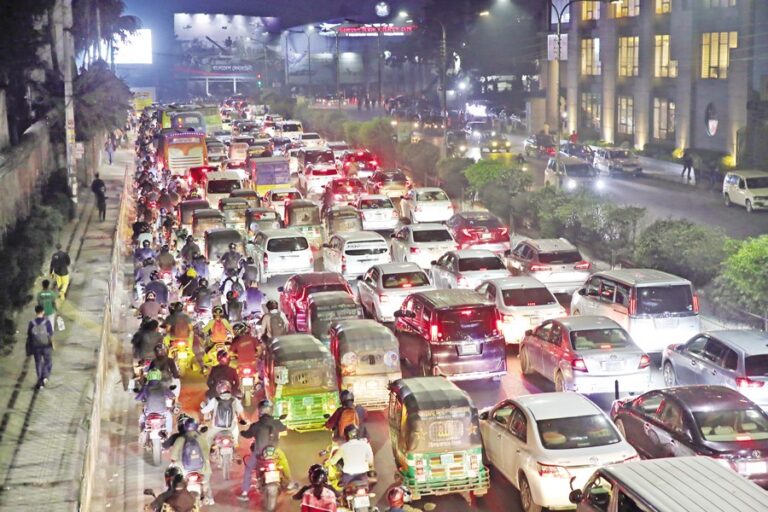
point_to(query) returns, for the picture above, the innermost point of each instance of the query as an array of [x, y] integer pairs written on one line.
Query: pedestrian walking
[[100, 189], [47, 299], [60, 263], [40, 345], [109, 147], [687, 164]]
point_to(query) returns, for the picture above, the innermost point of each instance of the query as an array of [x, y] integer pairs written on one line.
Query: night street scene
[[384, 255]]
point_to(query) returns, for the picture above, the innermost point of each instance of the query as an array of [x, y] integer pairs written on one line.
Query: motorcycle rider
[[143, 275], [145, 340], [357, 457], [150, 308], [191, 451], [202, 296], [218, 328], [250, 272], [167, 366], [178, 325], [165, 259], [274, 323], [264, 432], [176, 495], [247, 347], [190, 249], [396, 499], [234, 307], [318, 496], [232, 283], [144, 252], [200, 264], [347, 414], [226, 412], [154, 393], [230, 260], [188, 282], [254, 300], [158, 287], [222, 372]]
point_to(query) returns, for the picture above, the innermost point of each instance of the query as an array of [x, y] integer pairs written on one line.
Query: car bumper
[[433, 216], [369, 225], [495, 247], [633, 383], [481, 369], [387, 311], [283, 272]]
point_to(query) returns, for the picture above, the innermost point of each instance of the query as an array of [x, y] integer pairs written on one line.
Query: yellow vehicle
[[179, 151]]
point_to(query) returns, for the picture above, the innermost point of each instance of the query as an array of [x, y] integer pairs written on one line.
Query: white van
[[675, 484], [354, 252], [746, 188], [656, 308], [220, 184]]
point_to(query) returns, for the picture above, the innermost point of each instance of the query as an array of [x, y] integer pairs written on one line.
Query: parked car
[[736, 358], [656, 308], [540, 145], [377, 211], [523, 303], [281, 252], [617, 161], [554, 261], [479, 230], [297, 289], [426, 204], [712, 421], [466, 268], [384, 287], [746, 188], [547, 443], [572, 174], [421, 243]]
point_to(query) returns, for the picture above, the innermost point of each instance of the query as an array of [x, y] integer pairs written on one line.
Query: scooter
[[248, 382]]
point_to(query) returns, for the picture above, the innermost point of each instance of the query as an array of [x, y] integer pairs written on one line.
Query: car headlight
[[462, 148], [571, 184], [599, 184], [509, 143], [493, 134]]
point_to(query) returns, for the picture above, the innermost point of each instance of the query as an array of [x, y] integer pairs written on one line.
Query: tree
[[378, 135], [114, 24], [745, 270], [450, 172]]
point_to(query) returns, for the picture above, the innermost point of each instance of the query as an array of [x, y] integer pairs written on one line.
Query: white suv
[[281, 252], [746, 188], [617, 161]]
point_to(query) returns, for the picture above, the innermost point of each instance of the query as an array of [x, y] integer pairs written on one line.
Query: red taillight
[[695, 303], [578, 365], [271, 466], [225, 441], [415, 250], [467, 233], [361, 491], [179, 344], [266, 260], [343, 263], [583, 265], [539, 268], [547, 470], [745, 383], [645, 362], [193, 477], [632, 306], [434, 332], [247, 371]]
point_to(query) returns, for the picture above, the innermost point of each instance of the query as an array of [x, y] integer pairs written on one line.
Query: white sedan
[[426, 204], [276, 199], [467, 269], [421, 243], [540, 442], [384, 287], [377, 211]]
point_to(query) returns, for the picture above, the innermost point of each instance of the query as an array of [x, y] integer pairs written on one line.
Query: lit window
[[590, 10], [719, 3], [626, 8], [663, 6], [591, 109], [590, 56], [626, 115], [715, 52], [628, 56], [663, 119], [662, 65]]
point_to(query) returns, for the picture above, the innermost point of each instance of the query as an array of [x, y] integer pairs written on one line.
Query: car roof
[[516, 282], [475, 214], [706, 398], [427, 226], [547, 406], [207, 212], [283, 189], [359, 236], [406, 266], [473, 253], [427, 189], [571, 160], [430, 393], [224, 175], [452, 298], [749, 173], [318, 278], [550, 244], [642, 276], [282, 233], [749, 341], [373, 196], [579, 322]]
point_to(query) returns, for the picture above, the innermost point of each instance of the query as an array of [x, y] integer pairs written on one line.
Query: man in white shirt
[[356, 454]]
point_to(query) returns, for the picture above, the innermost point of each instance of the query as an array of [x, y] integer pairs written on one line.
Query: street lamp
[[560, 13], [310, 29]]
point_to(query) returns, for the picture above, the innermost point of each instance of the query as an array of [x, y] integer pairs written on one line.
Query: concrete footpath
[[43, 433]]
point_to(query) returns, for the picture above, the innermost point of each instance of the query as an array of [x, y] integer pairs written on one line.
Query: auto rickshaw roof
[[233, 201], [317, 278], [365, 334], [430, 394], [207, 213], [242, 193], [300, 203], [195, 204], [335, 211], [330, 298], [298, 347], [223, 235], [260, 211]]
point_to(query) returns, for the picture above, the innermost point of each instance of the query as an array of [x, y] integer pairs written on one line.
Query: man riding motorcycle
[[176, 495], [178, 325], [222, 372], [190, 249], [170, 372], [145, 340], [356, 456], [165, 260], [158, 287], [230, 260], [274, 323], [226, 412], [150, 308], [154, 395], [191, 452], [219, 328], [143, 275], [234, 307], [143, 253], [347, 414]]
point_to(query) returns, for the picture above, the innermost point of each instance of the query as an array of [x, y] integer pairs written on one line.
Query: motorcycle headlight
[[599, 184]]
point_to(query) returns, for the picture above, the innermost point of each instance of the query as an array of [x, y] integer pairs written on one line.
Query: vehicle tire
[[269, 498], [525, 362], [620, 427], [727, 200], [668, 372], [748, 206], [226, 467], [157, 450], [526, 496], [559, 382]]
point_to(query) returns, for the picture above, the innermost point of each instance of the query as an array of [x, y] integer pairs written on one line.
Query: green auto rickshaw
[[435, 435], [205, 220], [249, 195], [300, 379], [326, 308], [304, 216], [367, 356], [260, 219]]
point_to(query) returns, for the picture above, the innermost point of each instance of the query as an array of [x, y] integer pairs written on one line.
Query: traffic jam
[[291, 291]]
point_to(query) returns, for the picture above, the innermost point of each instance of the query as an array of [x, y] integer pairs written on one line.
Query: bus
[[187, 120], [178, 151], [206, 118]]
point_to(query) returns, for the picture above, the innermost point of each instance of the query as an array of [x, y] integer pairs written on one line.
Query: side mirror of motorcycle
[[283, 416], [326, 415], [203, 429], [149, 492]]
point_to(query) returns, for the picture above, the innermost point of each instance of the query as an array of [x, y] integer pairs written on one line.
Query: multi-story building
[[675, 73]]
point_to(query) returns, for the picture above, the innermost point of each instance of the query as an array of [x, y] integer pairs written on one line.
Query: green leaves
[[747, 271]]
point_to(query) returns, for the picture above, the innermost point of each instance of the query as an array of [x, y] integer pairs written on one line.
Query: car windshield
[[289, 244], [347, 184], [654, 300], [731, 426], [621, 153], [344, 224], [375, 204], [519, 297], [306, 216], [432, 195], [291, 127], [756, 366], [580, 170], [314, 157], [365, 248], [431, 235], [577, 432], [599, 339], [560, 257], [310, 136], [405, 280], [393, 177], [360, 156], [482, 221], [761, 182], [285, 196], [338, 147], [223, 186], [468, 322], [480, 263]]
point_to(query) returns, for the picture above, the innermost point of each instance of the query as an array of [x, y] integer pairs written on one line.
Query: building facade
[[670, 73]]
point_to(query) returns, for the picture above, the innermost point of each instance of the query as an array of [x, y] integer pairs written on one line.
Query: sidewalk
[[43, 433]]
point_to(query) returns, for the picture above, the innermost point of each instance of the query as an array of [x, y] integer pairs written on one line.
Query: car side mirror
[[433, 262], [529, 332], [359, 278], [575, 496], [582, 291], [398, 314]]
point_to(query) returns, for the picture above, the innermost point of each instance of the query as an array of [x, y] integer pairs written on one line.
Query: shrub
[[378, 136], [745, 271], [421, 158], [496, 183], [352, 133], [450, 172], [682, 248]]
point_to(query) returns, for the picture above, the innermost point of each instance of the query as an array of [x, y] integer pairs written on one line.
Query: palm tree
[[96, 22]]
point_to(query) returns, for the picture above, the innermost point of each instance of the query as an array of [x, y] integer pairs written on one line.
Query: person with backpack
[[347, 414], [224, 409], [154, 394], [191, 451], [232, 283], [274, 323], [59, 269], [222, 372], [234, 307], [318, 496], [40, 345], [47, 299], [176, 496]]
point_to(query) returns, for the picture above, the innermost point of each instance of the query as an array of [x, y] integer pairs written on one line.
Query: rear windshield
[[308, 216], [348, 184], [482, 221], [291, 127], [528, 297], [338, 147], [432, 195], [328, 287], [394, 177], [344, 224], [620, 154], [324, 172], [761, 182], [285, 196], [432, 235], [312, 157], [599, 339], [473, 321], [729, 426], [480, 263], [223, 186], [561, 257], [654, 300], [405, 280], [363, 156], [580, 170], [577, 432], [365, 248], [298, 243], [209, 223], [375, 204], [756, 366], [310, 136]]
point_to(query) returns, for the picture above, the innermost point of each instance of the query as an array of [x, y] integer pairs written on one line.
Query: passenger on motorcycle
[[188, 282], [230, 260], [143, 253], [202, 296], [274, 323], [234, 307], [222, 372], [318, 496], [150, 308], [143, 275], [226, 412], [167, 366], [347, 414], [158, 287], [396, 497], [248, 348], [356, 456], [191, 452], [264, 432], [250, 273], [139, 227], [200, 264], [218, 329], [232, 283], [145, 340], [165, 259], [154, 394], [254, 301], [176, 495], [178, 325]]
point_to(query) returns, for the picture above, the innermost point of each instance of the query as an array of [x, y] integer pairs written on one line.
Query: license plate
[[182, 355], [446, 459], [469, 350], [361, 501], [271, 477], [485, 236], [757, 467], [308, 401], [195, 488], [247, 381], [612, 366]]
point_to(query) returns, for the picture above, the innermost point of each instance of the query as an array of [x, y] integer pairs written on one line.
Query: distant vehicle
[[377, 212], [577, 150], [339, 147], [479, 230], [572, 174], [496, 144], [426, 204], [617, 161], [421, 243], [554, 261], [746, 188], [466, 269], [391, 183], [281, 252], [360, 163], [352, 253], [311, 139], [539, 145], [383, 288]]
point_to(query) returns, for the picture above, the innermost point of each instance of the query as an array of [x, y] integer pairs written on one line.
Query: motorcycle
[[224, 452], [209, 358], [153, 435], [181, 352], [151, 493], [139, 372], [356, 495], [248, 382], [267, 478]]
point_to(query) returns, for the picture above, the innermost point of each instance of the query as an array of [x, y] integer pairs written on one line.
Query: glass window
[[663, 66], [544, 331], [577, 432], [715, 53], [591, 109], [365, 249], [663, 119], [560, 257], [405, 280], [431, 235], [648, 403], [730, 426], [718, 3], [590, 56], [519, 425], [590, 10], [730, 359], [223, 186], [520, 297], [626, 8], [663, 6], [653, 300], [432, 195], [629, 56], [626, 115], [714, 351], [696, 346], [761, 182], [598, 494], [756, 366], [671, 416], [503, 413], [622, 295], [556, 335], [480, 264], [287, 244], [599, 339], [471, 322], [607, 290], [376, 204]]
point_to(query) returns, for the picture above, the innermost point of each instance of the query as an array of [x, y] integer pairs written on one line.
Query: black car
[[713, 421], [496, 143], [456, 143], [539, 145]]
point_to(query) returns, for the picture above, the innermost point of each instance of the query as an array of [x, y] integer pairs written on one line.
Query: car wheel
[[668, 372], [525, 362], [621, 429], [526, 496], [748, 205], [559, 382], [727, 199]]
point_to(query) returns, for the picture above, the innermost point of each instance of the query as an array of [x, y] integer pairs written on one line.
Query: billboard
[[223, 45]]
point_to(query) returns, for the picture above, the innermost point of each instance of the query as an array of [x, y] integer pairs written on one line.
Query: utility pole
[[69, 101], [309, 64], [443, 85], [338, 73], [98, 31]]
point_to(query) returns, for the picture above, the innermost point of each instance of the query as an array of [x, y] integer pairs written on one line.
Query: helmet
[[396, 497], [190, 239], [191, 272], [154, 375], [319, 476], [170, 474], [222, 356], [165, 248], [271, 304], [203, 283], [265, 407], [240, 328], [151, 295], [218, 310], [312, 469], [148, 262], [190, 425], [232, 295], [145, 244], [351, 432], [160, 349], [223, 386], [176, 307], [232, 246], [347, 398], [154, 275]]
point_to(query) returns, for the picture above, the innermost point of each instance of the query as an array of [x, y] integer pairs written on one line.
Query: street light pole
[[443, 86], [378, 62], [338, 72], [309, 62]]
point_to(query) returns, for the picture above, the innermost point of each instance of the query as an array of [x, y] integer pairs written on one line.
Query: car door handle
[[693, 362], [714, 372]]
